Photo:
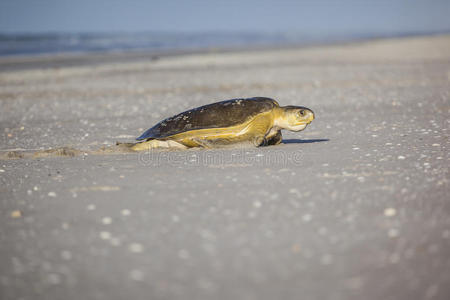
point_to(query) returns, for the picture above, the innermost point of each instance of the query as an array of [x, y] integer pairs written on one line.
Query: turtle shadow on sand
[[299, 141]]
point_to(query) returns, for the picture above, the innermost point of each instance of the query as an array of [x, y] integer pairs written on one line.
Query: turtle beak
[[310, 116]]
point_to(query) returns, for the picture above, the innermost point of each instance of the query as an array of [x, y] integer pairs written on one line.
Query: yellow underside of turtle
[[252, 132]]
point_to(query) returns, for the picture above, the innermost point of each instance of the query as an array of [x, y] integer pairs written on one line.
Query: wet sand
[[356, 206]]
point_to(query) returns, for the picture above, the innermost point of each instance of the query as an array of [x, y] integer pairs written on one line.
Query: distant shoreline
[[76, 59]]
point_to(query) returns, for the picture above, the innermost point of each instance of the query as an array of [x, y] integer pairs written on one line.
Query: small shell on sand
[[16, 214]]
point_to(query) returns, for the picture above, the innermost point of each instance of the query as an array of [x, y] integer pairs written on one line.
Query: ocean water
[[56, 43], [35, 44]]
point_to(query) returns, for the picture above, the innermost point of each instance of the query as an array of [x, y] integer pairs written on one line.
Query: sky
[[301, 16]]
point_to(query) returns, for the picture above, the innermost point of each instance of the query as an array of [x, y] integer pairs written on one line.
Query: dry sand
[[354, 207]]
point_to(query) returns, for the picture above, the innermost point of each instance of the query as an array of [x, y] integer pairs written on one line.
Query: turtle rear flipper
[[157, 144]]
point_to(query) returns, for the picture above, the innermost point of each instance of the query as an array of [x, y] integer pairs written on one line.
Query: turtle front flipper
[[276, 139]]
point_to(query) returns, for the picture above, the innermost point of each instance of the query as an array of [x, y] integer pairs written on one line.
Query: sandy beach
[[354, 207]]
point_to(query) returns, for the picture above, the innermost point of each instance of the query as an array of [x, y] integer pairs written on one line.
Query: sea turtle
[[257, 121]]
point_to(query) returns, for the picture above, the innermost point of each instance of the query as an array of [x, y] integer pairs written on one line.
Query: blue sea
[[57, 43], [32, 44]]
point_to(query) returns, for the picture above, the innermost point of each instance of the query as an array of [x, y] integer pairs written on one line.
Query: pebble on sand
[[257, 204], [390, 212], [392, 233], [106, 220], [136, 248], [125, 212], [105, 235], [306, 218]]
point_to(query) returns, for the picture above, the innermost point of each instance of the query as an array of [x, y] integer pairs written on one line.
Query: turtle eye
[[301, 112]]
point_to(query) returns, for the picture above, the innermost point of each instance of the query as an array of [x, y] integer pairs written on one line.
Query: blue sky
[[314, 16]]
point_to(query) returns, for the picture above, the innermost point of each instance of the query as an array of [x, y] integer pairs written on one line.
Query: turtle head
[[294, 118]]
